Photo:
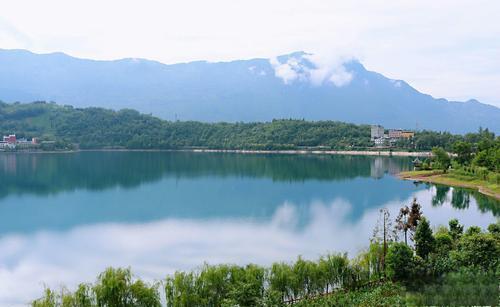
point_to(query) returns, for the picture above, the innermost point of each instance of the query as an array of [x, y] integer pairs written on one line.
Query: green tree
[[478, 249], [463, 151], [334, 268], [424, 241], [473, 230], [83, 296], [182, 290], [456, 230], [115, 288], [494, 229], [399, 262], [441, 158], [280, 279], [49, 299]]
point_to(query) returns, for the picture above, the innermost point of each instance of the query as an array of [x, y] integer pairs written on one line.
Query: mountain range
[[289, 86]]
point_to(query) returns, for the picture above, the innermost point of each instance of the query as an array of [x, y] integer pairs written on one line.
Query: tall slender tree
[[382, 233], [402, 222]]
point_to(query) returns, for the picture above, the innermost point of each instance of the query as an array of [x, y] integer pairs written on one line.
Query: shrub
[[399, 262], [478, 249], [467, 287]]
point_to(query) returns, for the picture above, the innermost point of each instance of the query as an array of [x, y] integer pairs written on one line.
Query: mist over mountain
[[297, 85]]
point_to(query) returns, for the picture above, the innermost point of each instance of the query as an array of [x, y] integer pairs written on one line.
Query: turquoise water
[[66, 217]]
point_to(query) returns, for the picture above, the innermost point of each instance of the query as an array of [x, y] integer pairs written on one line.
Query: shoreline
[[248, 151], [437, 177], [321, 152]]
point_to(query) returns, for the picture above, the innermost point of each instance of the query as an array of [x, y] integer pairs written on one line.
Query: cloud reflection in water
[[154, 249]]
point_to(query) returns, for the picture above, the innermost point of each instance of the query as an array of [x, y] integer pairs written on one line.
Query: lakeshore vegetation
[[98, 128], [406, 264], [475, 164]]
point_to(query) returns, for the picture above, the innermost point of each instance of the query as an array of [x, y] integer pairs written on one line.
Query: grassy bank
[[455, 179]]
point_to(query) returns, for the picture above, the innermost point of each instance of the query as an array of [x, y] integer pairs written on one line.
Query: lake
[[66, 217]]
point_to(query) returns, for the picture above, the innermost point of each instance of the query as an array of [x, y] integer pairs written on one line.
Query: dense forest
[[407, 263], [95, 128]]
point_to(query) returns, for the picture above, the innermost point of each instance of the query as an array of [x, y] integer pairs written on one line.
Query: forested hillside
[[243, 90], [93, 128]]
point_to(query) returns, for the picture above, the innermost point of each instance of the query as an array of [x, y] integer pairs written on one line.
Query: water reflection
[[53, 173], [460, 198], [61, 191], [154, 249], [65, 217]]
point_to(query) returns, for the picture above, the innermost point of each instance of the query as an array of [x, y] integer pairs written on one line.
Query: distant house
[[395, 133], [407, 134], [12, 142], [10, 139], [390, 139], [5, 145], [380, 142], [400, 134]]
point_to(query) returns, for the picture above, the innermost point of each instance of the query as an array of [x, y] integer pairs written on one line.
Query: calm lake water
[[66, 217]]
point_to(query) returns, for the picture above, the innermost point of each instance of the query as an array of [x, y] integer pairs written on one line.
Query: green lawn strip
[[452, 179]]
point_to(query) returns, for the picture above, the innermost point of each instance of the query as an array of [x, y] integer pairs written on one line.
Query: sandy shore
[[247, 151], [321, 152]]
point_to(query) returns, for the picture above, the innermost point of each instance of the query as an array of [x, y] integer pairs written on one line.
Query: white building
[[377, 132], [7, 145]]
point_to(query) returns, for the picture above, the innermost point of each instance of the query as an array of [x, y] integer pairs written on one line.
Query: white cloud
[[324, 69], [396, 83], [413, 40], [288, 71]]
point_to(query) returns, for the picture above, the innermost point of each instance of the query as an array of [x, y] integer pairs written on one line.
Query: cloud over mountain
[[297, 85], [305, 67]]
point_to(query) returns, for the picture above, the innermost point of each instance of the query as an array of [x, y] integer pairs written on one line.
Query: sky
[[448, 48]]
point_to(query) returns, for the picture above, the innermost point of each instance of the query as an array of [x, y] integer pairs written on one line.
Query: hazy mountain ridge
[[290, 86]]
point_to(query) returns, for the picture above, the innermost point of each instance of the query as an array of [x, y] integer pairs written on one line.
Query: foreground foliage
[[114, 287], [447, 267]]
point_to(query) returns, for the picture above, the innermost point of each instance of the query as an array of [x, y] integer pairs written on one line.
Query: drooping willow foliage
[[252, 285], [456, 267]]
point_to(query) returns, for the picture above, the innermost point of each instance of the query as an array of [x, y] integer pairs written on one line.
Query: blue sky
[[445, 48]]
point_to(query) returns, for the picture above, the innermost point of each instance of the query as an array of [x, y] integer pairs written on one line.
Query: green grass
[[388, 294], [453, 178]]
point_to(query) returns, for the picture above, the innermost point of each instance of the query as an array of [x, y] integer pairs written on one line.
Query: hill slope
[[290, 86]]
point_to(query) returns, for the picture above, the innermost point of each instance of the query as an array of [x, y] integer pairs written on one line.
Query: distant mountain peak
[[295, 85]]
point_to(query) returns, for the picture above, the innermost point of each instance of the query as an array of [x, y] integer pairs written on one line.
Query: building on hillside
[[10, 139], [380, 142], [12, 142], [6, 145], [395, 133], [377, 132], [407, 134], [400, 134]]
